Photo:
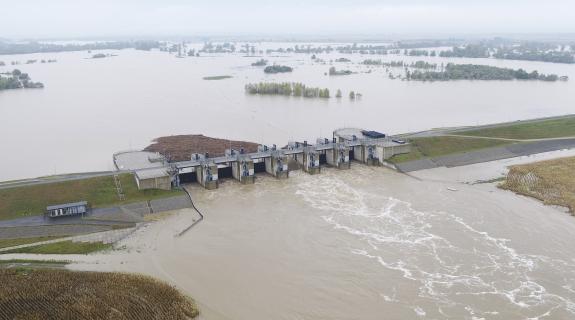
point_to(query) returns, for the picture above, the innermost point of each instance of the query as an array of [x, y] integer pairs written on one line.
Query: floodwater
[[367, 243], [92, 108]]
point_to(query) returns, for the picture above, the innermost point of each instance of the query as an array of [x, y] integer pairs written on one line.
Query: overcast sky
[[77, 18]]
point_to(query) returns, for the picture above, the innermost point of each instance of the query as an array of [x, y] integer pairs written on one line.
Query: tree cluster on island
[[260, 63], [550, 56], [342, 60], [479, 72], [225, 47], [526, 51], [40, 47], [15, 63], [99, 56], [277, 69], [419, 53], [17, 80], [294, 89], [420, 64], [334, 72], [468, 51]]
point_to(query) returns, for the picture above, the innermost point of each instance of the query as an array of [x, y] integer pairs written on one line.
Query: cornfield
[[551, 181], [61, 294]]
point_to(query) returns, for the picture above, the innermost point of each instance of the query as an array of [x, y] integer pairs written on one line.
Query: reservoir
[[91, 108]]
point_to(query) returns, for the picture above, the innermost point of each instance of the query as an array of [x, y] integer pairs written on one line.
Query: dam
[[153, 171]]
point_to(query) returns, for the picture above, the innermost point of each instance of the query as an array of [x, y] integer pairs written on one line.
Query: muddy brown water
[[366, 243]]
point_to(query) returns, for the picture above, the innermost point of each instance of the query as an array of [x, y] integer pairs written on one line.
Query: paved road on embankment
[[489, 154], [55, 179]]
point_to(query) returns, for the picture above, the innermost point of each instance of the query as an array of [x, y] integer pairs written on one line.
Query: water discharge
[[365, 243]]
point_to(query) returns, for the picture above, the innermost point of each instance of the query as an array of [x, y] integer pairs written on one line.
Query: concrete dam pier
[[367, 147]]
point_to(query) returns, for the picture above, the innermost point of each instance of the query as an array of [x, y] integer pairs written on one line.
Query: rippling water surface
[[368, 243]]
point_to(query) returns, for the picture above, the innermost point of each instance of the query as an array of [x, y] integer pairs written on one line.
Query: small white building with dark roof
[[67, 209]]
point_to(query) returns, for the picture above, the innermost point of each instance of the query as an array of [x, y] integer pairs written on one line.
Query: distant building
[[68, 209]]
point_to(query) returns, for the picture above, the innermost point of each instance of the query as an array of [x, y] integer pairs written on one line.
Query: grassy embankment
[[544, 129], [59, 294], [5, 243], [32, 263], [469, 140], [444, 145], [551, 181], [99, 192], [63, 247]]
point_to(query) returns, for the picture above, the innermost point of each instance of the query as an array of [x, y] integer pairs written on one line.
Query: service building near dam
[[152, 170]]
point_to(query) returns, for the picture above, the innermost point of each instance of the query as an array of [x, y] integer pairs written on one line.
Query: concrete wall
[[309, 161], [358, 153], [277, 166], [243, 171], [365, 155], [338, 157], [389, 152], [208, 176], [164, 183]]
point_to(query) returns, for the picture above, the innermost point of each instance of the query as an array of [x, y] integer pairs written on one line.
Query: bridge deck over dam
[[368, 147]]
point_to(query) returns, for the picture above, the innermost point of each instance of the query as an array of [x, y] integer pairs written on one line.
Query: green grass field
[[33, 262], [441, 146], [99, 192], [564, 127], [5, 243], [63, 247]]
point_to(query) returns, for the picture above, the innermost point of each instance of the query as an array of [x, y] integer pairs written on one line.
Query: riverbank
[[463, 146], [551, 181]]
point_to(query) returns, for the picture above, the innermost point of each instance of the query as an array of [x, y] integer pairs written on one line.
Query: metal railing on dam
[[289, 150]]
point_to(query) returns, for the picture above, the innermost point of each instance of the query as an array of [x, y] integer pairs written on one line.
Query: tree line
[[40, 47], [277, 69], [295, 89], [16, 80], [479, 72]]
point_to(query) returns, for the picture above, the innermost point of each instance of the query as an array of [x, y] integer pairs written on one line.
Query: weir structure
[[348, 144]]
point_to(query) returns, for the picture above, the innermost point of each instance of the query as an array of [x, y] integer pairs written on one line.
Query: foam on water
[[459, 268]]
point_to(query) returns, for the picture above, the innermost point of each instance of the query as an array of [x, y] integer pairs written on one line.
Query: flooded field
[[91, 108]]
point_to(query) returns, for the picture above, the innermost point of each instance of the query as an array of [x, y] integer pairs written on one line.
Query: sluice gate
[[367, 147]]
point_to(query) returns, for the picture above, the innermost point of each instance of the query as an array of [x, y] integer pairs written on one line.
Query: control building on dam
[[368, 147]]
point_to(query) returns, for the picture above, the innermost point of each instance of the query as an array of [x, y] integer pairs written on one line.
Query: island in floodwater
[[334, 72], [17, 80], [479, 72], [294, 89], [217, 77], [260, 63], [277, 69]]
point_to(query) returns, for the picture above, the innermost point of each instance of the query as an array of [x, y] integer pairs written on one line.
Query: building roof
[[136, 160], [151, 173], [67, 205], [373, 134]]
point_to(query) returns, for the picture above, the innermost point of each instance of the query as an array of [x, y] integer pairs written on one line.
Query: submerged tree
[[295, 89]]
